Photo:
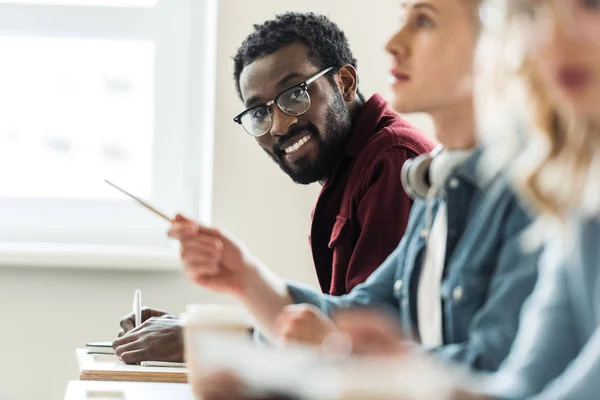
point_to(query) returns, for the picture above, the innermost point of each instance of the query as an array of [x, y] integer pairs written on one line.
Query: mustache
[[295, 130]]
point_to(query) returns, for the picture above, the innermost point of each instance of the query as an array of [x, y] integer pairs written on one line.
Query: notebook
[[104, 367], [162, 364]]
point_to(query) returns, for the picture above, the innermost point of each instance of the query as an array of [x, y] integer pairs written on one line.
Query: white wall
[[45, 314]]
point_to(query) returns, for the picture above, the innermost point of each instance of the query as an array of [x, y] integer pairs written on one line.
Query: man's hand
[[157, 339], [211, 258], [128, 322], [303, 323]]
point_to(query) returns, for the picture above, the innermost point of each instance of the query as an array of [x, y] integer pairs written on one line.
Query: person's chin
[[403, 106], [302, 172]]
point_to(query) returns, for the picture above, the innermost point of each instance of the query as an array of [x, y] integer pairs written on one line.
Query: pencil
[[140, 201]]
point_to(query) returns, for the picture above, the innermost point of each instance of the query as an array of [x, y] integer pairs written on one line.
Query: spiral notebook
[[103, 367], [106, 348], [162, 364]]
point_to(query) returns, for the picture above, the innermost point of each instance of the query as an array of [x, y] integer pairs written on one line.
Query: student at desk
[[459, 276], [298, 80]]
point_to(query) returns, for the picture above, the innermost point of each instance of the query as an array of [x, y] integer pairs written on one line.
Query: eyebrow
[[421, 5], [281, 83]]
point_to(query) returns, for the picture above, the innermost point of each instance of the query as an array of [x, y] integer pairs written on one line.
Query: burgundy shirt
[[362, 210]]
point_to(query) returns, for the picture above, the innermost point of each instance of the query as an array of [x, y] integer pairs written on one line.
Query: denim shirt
[[487, 275], [556, 356]]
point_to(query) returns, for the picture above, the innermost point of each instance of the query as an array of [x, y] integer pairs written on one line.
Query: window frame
[[184, 32]]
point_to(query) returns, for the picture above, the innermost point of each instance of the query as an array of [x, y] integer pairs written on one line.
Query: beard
[[330, 149]]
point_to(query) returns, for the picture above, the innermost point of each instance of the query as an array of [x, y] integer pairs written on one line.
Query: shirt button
[[404, 302], [453, 183], [398, 286], [457, 293]]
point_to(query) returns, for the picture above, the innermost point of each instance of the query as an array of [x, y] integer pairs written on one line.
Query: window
[[95, 89], [102, 3]]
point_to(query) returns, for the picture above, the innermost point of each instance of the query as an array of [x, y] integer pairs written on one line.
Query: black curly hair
[[328, 45]]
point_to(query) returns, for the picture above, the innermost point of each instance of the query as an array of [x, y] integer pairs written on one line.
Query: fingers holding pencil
[[211, 258], [201, 249]]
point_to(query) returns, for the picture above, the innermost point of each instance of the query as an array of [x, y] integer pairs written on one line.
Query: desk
[[88, 390]]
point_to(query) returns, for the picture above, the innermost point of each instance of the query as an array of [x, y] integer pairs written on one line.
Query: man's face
[[306, 147]]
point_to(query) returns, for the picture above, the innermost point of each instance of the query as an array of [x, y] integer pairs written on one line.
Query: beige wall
[[46, 314]]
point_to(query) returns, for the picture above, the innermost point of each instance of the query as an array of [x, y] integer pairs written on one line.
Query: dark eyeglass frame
[[302, 85]]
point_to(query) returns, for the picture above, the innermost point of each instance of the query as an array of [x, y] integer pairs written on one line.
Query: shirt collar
[[366, 124], [471, 170]]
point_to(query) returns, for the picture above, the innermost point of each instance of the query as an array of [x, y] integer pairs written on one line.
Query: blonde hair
[[559, 180], [554, 154]]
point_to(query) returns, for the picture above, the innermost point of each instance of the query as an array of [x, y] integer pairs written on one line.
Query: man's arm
[[218, 262], [376, 291]]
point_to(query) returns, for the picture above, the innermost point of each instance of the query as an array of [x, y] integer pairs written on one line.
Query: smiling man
[[298, 81]]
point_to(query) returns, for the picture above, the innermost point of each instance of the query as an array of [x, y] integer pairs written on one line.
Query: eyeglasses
[[293, 101]]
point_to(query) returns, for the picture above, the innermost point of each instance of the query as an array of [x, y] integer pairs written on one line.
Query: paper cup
[[205, 323]]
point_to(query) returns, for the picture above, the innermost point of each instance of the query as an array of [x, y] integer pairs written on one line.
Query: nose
[[397, 45], [281, 122]]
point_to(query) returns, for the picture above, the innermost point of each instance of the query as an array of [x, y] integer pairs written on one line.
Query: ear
[[347, 80]]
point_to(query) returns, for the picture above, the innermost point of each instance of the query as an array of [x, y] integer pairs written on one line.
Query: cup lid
[[216, 314]]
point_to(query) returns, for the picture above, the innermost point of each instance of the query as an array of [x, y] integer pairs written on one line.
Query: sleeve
[[547, 345], [382, 200], [580, 379], [376, 291], [493, 327]]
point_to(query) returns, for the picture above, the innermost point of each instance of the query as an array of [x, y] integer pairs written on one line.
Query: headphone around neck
[[415, 174]]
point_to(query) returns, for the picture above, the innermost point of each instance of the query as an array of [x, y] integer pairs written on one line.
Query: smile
[[294, 147]]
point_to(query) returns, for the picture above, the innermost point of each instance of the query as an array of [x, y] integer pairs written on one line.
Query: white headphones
[[420, 174], [415, 174]]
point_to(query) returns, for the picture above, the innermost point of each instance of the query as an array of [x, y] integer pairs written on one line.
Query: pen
[[137, 307]]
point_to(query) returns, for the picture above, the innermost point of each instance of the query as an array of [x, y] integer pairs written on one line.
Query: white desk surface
[[98, 390]]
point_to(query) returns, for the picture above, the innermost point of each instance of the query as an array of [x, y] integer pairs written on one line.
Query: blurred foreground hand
[[303, 323], [372, 333]]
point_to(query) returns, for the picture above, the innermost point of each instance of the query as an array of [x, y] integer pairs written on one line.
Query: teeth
[[294, 147]]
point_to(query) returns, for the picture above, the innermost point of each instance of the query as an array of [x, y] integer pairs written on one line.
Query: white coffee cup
[[203, 324]]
